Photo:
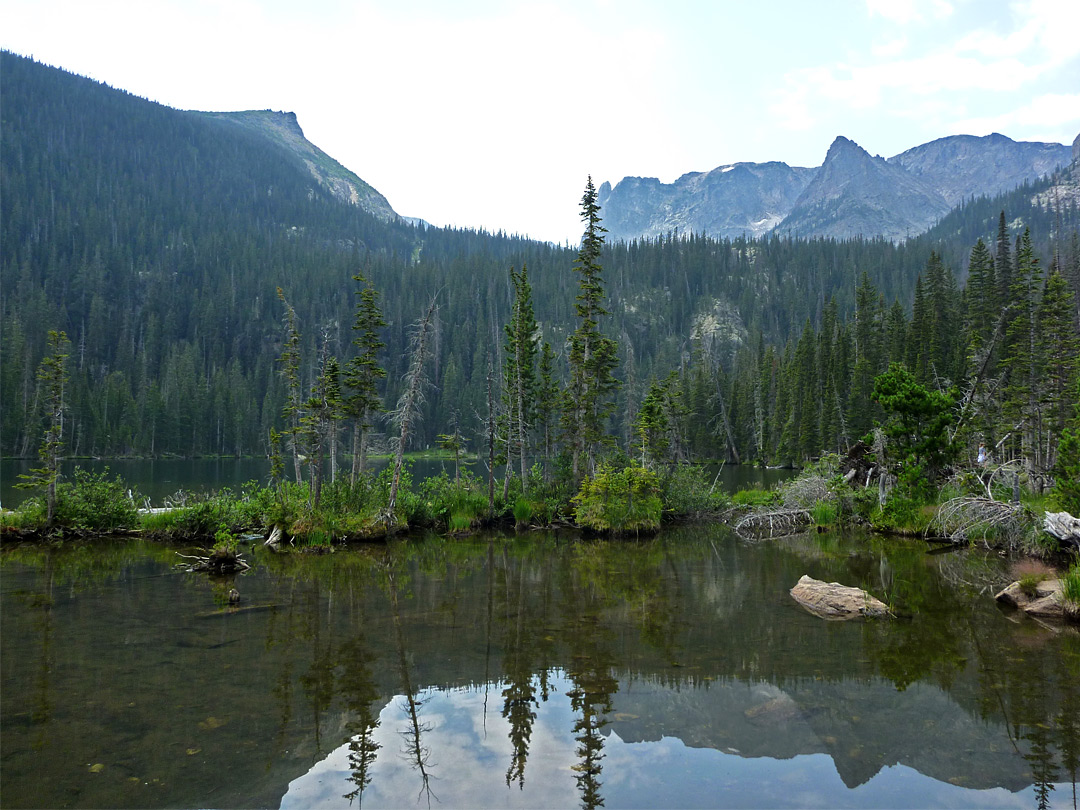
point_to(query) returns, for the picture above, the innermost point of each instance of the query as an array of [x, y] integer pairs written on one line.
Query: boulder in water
[[831, 600]]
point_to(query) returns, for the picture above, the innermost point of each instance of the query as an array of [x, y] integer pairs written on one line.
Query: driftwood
[[855, 468], [963, 519], [275, 538], [218, 561], [775, 523], [1062, 526]]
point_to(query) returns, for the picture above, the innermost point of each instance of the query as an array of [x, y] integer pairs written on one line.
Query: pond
[[536, 670]]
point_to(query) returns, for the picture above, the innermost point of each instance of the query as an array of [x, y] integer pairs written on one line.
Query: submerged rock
[[1047, 601], [831, 600]]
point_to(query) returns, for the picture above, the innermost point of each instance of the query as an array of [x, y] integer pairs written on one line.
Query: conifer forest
[[214, 297]]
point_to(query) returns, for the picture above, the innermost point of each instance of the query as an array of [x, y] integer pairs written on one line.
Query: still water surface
[[537, 670]]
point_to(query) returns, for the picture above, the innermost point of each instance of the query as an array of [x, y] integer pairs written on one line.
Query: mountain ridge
[[284, 129], [920, 184]]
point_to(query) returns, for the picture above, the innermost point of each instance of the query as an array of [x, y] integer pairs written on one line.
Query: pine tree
[[1020, 358], [593, 356], [408, 410], [363, 372], [52, 380], [983, 305], [653, 425], [321, 413], [547, 403], [290, 369], [1003, 263], [519, 372], [1058, 351]]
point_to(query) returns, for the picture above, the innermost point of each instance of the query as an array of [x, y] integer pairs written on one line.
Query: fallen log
[[1062, 526], [775, 523]]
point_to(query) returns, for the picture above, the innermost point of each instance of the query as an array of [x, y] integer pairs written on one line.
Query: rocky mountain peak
[[852, 193], [844, 147]]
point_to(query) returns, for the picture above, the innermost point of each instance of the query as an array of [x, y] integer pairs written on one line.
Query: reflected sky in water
[[469, 751], [529, 671]]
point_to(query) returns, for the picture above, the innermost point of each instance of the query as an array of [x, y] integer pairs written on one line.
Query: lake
[[532, 670], [157, 479]]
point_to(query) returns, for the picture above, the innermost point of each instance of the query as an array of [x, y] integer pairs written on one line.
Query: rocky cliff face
[[850, 194], [961, 166], [855, 194], [1065, 190], [284, 129], [729, 201]]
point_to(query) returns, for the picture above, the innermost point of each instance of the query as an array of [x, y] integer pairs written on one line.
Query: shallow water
[[532, 671]]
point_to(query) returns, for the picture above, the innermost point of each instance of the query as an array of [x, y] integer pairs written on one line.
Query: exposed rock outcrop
[[283, 129], [831, 600], [855, 194], [741, 199], [1046, 600], [962, 166], [850, 194]]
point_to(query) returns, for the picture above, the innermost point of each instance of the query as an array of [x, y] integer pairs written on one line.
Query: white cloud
[[890, 49], [893, 81], [905, 12], [1051, 113]]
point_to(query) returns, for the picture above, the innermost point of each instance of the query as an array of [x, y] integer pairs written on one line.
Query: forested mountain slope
[[157, 240]]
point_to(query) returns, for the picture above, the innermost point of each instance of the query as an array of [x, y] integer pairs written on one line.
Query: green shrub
[[1070, 585], [523, 510], [755, 497], [91, 502], [625, 501], [444, 502], [686, 491], [824, 513]]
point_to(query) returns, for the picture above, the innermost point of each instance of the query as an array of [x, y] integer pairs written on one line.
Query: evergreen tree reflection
[[415, 751], [359, 694]]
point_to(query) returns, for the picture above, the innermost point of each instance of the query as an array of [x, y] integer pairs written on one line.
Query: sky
[[485, 114]]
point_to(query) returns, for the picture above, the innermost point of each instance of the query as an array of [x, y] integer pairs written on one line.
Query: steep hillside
[[854, 194], [283, 128]]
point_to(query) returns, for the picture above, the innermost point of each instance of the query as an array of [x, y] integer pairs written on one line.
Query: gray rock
[[1047, 602], [831, 600]]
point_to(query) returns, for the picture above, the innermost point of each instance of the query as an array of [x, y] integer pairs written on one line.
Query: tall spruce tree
[[1021, 356], [592, 356], [547, 404], [1058, 350], [52, 383], [519, 377], [293, 410], [363, 372]]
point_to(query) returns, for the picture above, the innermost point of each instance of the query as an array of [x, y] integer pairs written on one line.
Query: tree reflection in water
[[417, 753]]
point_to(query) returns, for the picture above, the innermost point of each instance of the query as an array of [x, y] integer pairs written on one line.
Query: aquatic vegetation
[[1029, 573], [1070, 586], [824, 513]]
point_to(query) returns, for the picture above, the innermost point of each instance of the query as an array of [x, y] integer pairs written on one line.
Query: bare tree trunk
[[491, 440], [355, 453], [408, 409]]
